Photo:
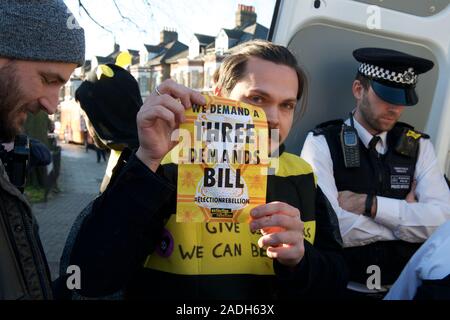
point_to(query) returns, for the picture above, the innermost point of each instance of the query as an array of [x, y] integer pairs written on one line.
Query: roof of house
[[204, 39], [104, 60], [153, 48], [211, 45], [257, 30], [233, 33], [245, 33], [170, 50], [87, 66], [134, 54], [111, 58], [181, 55]]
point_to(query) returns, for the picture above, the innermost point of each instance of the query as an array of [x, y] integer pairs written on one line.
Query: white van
[[323, 35]]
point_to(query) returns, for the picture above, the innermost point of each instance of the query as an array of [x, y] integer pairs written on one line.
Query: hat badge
[[408, 76]]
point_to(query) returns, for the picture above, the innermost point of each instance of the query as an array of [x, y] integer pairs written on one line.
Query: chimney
[[168, 35], [245, 16]]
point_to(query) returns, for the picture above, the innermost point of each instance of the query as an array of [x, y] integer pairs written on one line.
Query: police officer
[[381, 176], [40, 47]]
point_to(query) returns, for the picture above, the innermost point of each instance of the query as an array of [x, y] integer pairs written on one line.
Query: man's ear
[[357, 90], [218, 91]]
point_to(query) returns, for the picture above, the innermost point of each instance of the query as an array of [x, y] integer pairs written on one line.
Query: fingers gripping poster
[[223, 161]]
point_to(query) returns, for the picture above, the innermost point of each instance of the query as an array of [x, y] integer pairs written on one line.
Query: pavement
[[79, 184]]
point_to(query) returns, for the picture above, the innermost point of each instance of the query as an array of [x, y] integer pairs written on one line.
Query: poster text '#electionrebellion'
[[223, 157]]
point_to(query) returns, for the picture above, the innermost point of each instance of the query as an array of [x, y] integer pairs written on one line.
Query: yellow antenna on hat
[[124, 59], [105, 71]]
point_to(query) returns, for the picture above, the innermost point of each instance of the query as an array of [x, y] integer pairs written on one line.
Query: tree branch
[[126, 18], [90, 17]]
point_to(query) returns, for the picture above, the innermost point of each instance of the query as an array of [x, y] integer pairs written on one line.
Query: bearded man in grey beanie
[[40, 46]]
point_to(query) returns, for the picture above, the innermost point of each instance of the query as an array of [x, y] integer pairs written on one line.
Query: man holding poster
[[131, 239]]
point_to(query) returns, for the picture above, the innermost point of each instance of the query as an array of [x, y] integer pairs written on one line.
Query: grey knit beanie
[[40, 30]]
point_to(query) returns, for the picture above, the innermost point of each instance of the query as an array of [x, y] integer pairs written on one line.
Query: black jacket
[[24, 273], [121, 241]]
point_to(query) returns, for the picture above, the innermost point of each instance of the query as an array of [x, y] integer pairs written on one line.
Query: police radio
[[350, 145]]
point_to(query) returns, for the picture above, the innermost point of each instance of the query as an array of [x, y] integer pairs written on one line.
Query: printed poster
[[223, 162]]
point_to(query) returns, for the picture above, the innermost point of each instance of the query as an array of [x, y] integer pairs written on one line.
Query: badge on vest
[[400, 178]]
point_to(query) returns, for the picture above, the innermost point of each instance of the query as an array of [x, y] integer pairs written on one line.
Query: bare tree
[[125, 18]]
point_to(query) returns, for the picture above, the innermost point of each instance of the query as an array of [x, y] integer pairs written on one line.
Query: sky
[[151, 16]]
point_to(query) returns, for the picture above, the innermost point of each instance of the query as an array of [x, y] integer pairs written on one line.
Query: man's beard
[[10, 95], [371, 120]]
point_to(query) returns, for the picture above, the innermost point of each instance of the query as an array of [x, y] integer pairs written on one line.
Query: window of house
[[143, 85], [181, 80]]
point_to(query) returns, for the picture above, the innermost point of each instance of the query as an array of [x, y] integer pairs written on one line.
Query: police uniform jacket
[[395, 218], [399, 227]]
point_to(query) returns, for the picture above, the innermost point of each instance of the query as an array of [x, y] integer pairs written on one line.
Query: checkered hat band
[[408, 77]]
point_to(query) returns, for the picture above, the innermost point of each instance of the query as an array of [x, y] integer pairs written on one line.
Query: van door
[[323, 34]]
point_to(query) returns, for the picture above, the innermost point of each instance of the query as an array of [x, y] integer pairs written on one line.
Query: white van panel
[[323, 40]]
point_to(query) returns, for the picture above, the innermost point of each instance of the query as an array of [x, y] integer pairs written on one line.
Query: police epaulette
[[411, 131], [424, 135], [421, 134], [318, 130]]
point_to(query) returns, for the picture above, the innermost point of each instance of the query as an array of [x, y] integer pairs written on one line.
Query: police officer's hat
[[393, 75]]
